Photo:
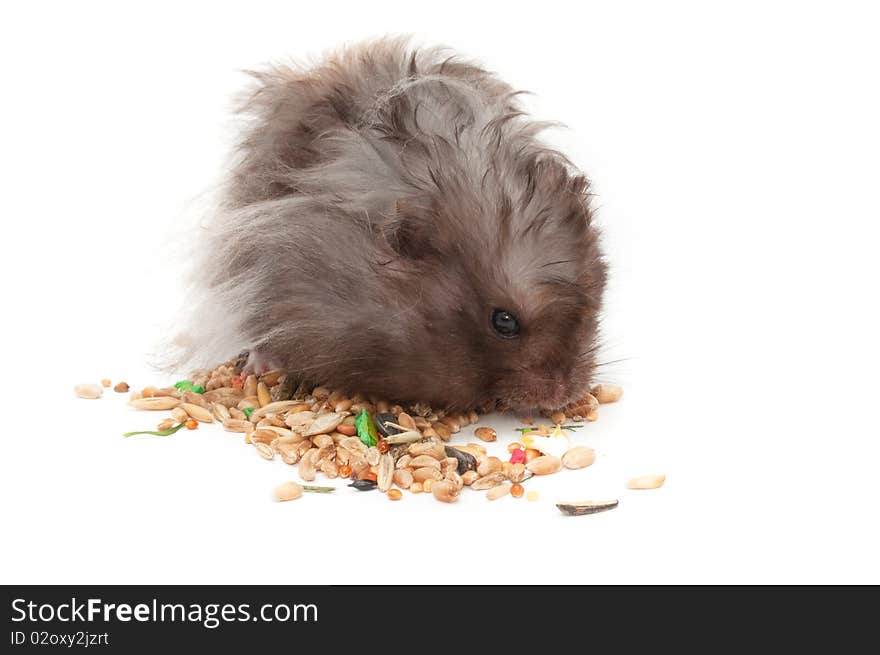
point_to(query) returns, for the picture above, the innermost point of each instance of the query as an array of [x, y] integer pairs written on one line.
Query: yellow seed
[[532, 495], [427, 485], [105, 382], [416, 487]]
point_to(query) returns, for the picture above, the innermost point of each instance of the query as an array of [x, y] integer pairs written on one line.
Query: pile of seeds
[[372, 442]]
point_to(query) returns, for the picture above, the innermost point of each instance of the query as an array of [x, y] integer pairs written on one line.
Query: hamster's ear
[[410, 230]]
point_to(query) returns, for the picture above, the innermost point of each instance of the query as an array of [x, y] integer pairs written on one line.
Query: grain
[[403, 478], [200, 414], [578, 457], [497, 492], [544, 465], [486, 434], [88, 390], [263, 395], [287, 491], [265, 450], [237, 425], [121, 387], [394, 494], [445, 491], [385, 472], [155, 404], [646, 482], [607, 393], [488, 481]]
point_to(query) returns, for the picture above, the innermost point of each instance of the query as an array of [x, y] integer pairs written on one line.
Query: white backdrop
[[734, 151]]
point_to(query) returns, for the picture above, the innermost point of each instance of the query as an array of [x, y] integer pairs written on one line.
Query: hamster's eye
[[505, 323]]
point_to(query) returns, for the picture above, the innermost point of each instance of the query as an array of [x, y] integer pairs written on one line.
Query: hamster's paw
[[259, 362]]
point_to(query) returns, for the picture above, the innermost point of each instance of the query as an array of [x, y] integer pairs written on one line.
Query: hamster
[[391, 224]]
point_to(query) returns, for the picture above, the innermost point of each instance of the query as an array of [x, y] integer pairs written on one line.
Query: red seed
[[516, 490], [382, 446], [344, 471], [518, 456], [191, 424]]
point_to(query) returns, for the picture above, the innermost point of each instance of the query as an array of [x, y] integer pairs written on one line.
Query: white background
[[734, 149]]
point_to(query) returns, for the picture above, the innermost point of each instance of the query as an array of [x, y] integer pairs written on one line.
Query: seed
[[516, 445], [105, 382], [265, 450], [382, 446], [187, 397], [416, 487], [394, 494], [488, 481], [261, 435], [433, 449], [287, 491], [558, 417], [544, 465], [427, 485], [531, 454], [342, 405], [237, 425], [121, 387], [307, 468], [289, 453], [452, 423], [166, 424], [347, 430], [473, 417], [87, 390], [324, 424], [442, 431], [179, 415], [427, 473], [191, 424], [578, 457], [237, 414], [424, 460], [496, 492], [527, 420], [250, 401], [329, 468], [586, 507], [272, 377], [516, 490], [385, 474], [466, 461], [263, 394], [592, 416], [532, 495], [468, 477], [148, 392], [403, 437], [445, 491], [155, 404], [455, 479], [516, 472], [404, 461], [646, 482], [221, 413], [403, 478], [200, 414], [250, 386], [489, 465], [344, 470], [294, 419], [607, 393], [368, 475], [406, 421], [320, 393], [486, 434]]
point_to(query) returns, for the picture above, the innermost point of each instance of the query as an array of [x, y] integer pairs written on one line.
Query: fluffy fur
[[383, 202]]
